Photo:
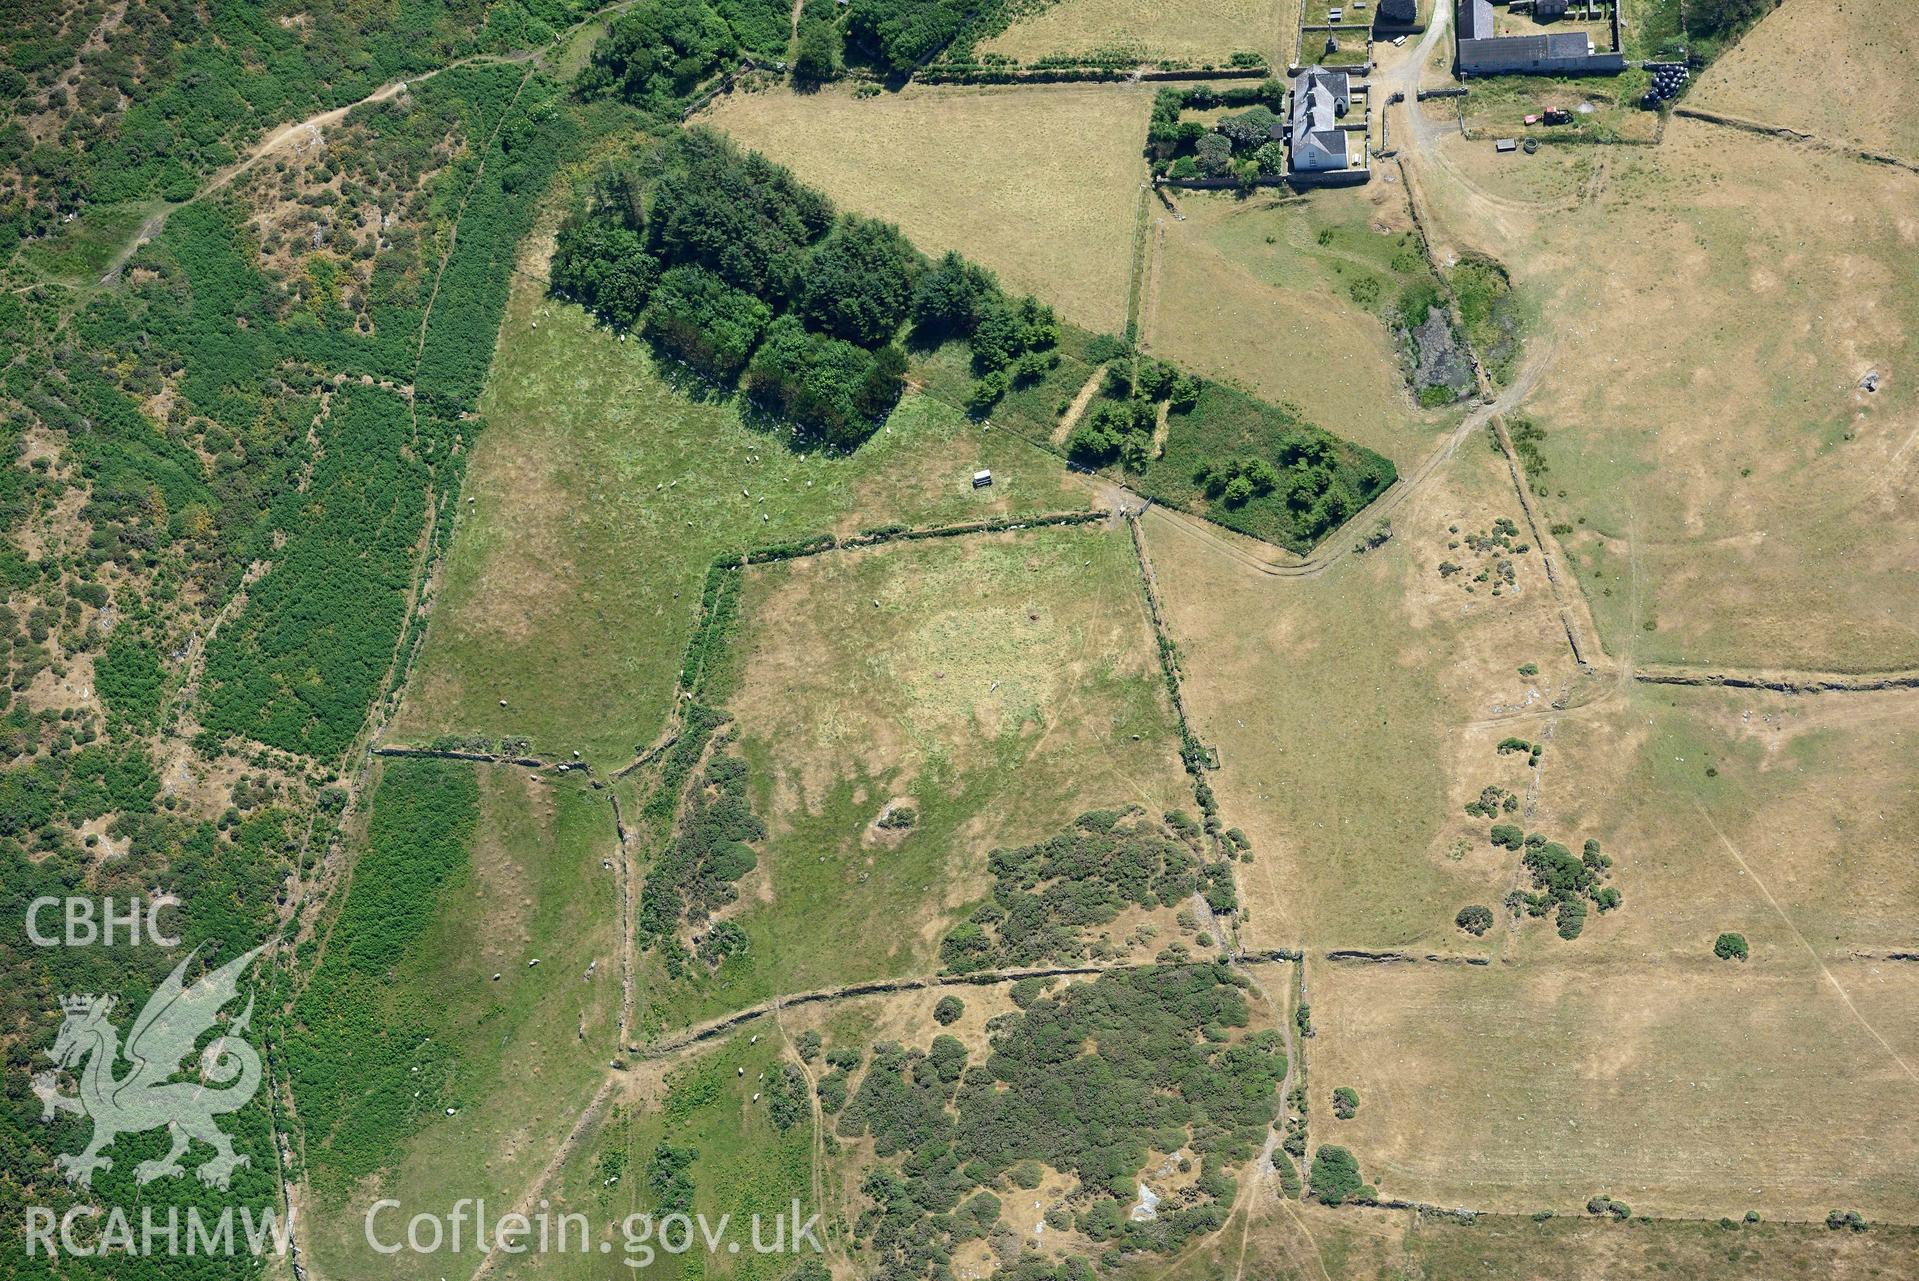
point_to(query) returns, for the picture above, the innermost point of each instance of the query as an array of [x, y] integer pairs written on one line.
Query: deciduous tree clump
[[742, 274], [1562, 884]]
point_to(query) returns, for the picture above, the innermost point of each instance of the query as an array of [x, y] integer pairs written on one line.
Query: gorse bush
[[1046, 896], [1127, 1048], [694, 875], [299, 666], [1334, 1177], [130, 680], [1563, 885], [1475, 919]]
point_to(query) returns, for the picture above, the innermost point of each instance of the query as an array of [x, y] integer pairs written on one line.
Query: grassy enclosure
[[1037, 183], [1605, 110], [1033, 410], [1149, 32], [592, 460], [1226, 425], [1294, 299], [1742, 810], [79, 252], [1360, 1246], [1717, 470], [1001, 685], [1538, 1087], [697, 1118], [1338, 702]]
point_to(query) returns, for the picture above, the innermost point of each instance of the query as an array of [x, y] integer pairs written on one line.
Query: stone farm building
[[1483, 51]]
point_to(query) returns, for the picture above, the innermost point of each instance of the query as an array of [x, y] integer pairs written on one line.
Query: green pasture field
[[1033, 411], [515, 1056], [744, 1165], [1226, 424], [600, 495]]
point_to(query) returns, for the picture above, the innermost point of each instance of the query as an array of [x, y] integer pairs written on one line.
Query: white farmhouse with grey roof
[[1320, 97]]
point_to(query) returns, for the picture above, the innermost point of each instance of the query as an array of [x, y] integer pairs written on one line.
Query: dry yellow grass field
[[1041, 184], [1865, 51], [1209, 33], [1694, 1090], [1288, 1241], [1340, 703], [1242, 290], [1000, 685], [1788, 819], [1712, 306]]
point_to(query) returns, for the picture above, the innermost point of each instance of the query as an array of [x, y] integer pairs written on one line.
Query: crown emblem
[[83, 1004]]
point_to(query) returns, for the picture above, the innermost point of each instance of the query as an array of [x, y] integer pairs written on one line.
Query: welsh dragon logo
[[145, 1097]]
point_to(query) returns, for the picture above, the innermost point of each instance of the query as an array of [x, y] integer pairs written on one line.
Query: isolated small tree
[[1475, 919], [948, 1057], [1730, 947], [947, 1012], [985, 393], [1345, 1102]]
